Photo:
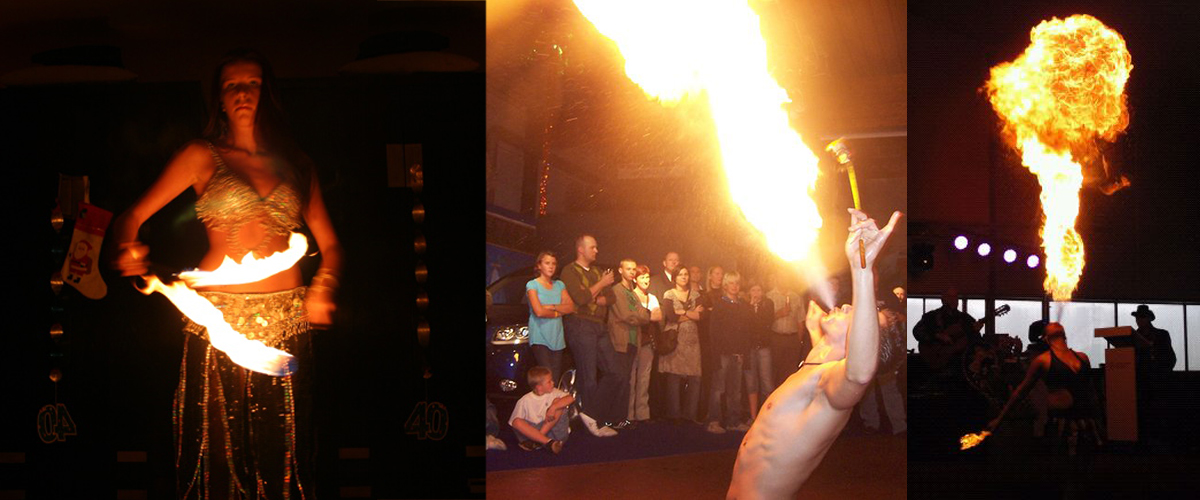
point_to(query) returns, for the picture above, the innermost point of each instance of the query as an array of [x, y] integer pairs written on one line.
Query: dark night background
[[120, 355], [1141, 243]]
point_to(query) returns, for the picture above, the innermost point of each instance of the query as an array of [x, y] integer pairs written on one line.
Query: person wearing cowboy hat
[[1155, 359], [1153, 344]]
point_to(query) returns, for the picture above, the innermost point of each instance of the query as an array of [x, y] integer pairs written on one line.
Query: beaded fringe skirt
[[241, 434]]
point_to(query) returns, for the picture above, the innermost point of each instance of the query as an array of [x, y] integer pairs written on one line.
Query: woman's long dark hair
[[269, 123]]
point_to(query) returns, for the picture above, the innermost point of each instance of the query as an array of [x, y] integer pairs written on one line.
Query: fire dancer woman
[[1069, 398], [803, 417], [548, 302], [241, 433]]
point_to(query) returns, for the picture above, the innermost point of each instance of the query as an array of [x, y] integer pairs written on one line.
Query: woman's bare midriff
[[218, 249], [1059, 399]]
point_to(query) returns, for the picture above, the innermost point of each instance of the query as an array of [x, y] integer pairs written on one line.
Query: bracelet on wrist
[[326, 277]]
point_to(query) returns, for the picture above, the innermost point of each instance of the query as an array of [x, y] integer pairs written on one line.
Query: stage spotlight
[[1010, 256], [960, 242], [984, 249], [1032, 261]]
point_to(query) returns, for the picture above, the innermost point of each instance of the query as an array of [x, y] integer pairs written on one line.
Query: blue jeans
[[612, 392], [493, 423], [727, 381], [691, 395], [559, 432], [758, 372], [543, 356], [585, 339]]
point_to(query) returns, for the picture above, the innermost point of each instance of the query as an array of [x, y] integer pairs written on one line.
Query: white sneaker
[[595, 429], [715, 428], [740, 427], [494, 443]]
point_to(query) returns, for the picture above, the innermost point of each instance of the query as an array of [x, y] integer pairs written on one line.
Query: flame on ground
[[675, 49], [1066, 91]]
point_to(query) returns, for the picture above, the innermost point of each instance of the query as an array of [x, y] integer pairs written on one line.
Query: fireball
[[1066, 91]]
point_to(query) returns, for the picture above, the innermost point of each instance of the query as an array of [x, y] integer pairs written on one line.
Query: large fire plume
[[1066, 91], [675, 49]]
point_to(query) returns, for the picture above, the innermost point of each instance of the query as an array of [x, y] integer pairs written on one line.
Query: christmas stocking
[[83, 256]]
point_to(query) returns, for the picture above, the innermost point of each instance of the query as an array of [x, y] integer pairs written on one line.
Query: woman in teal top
[[548, 302]]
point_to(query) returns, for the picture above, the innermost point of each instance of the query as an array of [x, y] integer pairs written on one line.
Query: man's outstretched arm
[[847, 380]]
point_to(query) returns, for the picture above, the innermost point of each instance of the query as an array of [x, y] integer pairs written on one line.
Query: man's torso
[[576, 275], [793, 432]]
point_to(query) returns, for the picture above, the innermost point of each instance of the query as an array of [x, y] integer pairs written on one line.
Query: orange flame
[[675, 50], [250, 354], [972, 440], [1064, 92], [251, 269]]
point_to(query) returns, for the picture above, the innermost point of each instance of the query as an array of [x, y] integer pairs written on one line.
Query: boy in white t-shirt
[[539, 419]]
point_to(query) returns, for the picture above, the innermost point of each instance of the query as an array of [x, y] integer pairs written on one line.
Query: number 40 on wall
[[428, 421]]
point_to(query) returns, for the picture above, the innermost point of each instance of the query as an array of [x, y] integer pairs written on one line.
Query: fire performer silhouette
[[802, 418], [1071, 399]]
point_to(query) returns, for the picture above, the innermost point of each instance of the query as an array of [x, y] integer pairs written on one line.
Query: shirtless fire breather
[[801, 419]]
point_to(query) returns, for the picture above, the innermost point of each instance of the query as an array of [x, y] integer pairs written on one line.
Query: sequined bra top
[[229, 203]]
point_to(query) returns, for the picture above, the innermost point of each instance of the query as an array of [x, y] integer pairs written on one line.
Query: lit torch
[[676, 49], [250, 354], [838, 148], [1065, 91]]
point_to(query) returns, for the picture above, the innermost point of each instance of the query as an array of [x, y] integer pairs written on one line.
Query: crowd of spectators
[[710, 346]]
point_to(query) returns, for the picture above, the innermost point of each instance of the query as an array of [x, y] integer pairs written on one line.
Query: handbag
[[668, 339], [665, 341]]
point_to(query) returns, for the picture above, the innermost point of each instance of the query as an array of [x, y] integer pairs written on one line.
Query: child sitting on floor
[[539, 419]]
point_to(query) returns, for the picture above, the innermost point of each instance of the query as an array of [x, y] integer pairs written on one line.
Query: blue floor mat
[[650, 439]]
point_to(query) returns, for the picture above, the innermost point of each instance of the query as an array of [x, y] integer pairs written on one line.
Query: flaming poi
[[250, 354], [715, 51], [1066, 91]]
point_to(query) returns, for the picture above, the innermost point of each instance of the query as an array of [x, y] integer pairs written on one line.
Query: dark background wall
[[120, 355]]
